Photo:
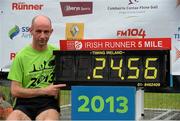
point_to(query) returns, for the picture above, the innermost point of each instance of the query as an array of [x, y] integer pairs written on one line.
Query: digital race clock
[[146, 68]]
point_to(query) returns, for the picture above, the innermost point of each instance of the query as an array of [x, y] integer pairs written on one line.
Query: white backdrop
[[91, 19]]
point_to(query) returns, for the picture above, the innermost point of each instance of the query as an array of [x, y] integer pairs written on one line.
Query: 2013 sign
[[103, 103], [110, 101]]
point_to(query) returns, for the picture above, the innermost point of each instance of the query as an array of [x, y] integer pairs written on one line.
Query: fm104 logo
[[134, 32], [22, 31]]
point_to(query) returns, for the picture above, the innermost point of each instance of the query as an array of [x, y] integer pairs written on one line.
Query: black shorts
[[32, 107]]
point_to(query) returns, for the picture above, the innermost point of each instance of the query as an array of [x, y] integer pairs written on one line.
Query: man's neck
[[39, 48]]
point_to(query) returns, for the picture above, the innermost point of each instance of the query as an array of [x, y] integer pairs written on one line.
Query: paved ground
[[66, 113], [149, 114], [159, 114]]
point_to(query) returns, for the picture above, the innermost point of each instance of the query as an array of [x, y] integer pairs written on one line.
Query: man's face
[[41, 33]]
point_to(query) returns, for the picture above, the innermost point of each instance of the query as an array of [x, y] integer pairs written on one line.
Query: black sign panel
[[140, 68]]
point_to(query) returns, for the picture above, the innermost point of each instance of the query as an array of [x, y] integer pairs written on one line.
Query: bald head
[[40, 30], [41, 19]]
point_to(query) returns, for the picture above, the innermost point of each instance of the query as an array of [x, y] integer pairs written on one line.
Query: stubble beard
[[42, 42]]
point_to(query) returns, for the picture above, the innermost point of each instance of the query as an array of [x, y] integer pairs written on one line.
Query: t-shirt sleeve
[[16, 70]]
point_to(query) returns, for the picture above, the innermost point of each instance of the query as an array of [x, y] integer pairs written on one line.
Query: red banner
[[117, 44]]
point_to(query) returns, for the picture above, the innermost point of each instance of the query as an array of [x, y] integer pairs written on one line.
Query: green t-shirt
[[32, 68]]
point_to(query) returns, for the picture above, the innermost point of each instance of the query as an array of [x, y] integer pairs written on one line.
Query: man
[[32, 75]]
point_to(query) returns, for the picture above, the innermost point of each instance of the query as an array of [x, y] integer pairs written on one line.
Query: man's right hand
[[53, 90]]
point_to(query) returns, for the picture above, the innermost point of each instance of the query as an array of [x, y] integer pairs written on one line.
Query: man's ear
[[51, 31], [30, 29]]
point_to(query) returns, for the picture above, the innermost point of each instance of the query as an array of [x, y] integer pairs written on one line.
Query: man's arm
[[18, 91]]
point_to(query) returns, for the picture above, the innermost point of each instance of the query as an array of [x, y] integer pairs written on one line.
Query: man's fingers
[[60, 85]]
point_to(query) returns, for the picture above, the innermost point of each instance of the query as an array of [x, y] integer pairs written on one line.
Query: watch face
[[140, 68]]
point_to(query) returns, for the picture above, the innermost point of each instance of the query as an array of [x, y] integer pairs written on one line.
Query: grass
[[6, 93], [65, 97], [151, 100], [162, 100]]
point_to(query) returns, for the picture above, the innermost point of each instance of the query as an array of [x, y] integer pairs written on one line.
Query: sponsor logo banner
[[117, 44], [76, 8], [16, 30], [133, 8], [132, 33], [74, 31], [26, 6]]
